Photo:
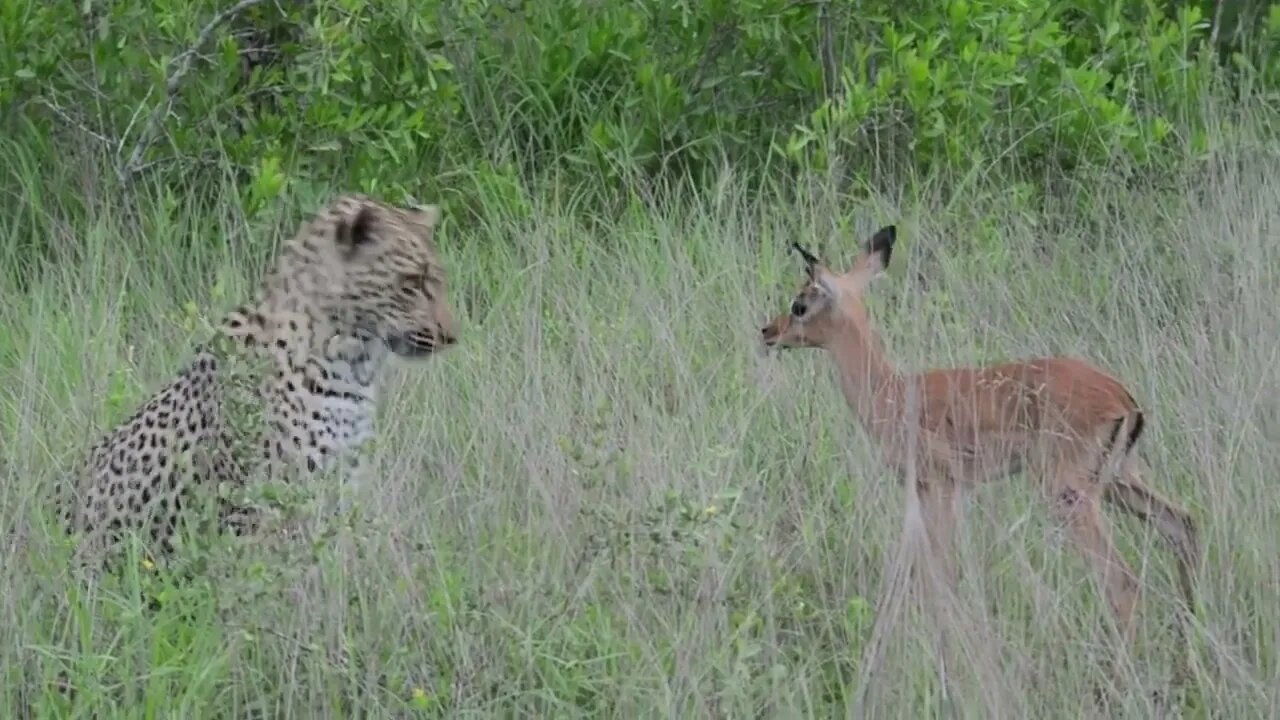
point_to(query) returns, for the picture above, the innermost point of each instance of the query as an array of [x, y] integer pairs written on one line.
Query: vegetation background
[[606, 501]]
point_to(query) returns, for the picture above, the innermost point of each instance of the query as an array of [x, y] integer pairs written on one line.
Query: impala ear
[[810, 260], [818, 273], [826, 283], [880, 247]]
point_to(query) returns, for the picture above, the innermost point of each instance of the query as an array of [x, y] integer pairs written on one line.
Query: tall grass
[[607, 501]]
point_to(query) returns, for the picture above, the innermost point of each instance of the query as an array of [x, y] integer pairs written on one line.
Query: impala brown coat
[[1062, 419]]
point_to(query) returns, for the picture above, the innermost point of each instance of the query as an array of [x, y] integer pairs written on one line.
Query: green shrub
[[445, 99]]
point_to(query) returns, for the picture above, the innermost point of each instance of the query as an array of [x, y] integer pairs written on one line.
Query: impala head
[[827, 298]]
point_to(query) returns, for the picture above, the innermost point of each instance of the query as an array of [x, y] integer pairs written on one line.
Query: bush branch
[[179, 67]]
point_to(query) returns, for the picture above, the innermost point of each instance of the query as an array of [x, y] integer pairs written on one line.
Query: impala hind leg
[[1130, 494], [1077, 503]]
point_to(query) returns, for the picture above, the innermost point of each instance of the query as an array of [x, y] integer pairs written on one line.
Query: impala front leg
[[937, 505]]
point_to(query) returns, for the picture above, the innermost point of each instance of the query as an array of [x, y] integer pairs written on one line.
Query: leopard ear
[[356, 229]]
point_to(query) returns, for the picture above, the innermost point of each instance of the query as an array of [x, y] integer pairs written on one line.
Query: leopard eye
[[419, 283]]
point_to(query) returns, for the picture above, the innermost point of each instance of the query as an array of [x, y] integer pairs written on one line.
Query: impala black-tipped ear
[[357, 229], [880, 246], [809, 258]]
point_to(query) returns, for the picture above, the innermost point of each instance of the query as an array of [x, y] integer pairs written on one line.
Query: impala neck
[[871, 385]]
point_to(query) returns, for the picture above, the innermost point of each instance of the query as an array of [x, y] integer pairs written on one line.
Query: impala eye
[[798, 308]]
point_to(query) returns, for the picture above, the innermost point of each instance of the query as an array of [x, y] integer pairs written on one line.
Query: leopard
[[287, 386]]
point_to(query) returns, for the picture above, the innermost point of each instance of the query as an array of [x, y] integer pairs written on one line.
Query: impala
[[1063, 420]]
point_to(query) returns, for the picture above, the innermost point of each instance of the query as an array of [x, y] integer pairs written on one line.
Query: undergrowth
[[607, 501]]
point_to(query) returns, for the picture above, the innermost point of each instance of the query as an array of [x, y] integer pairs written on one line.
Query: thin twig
[[1217, 26], [827, 51], [71, 122], [180, 66], [721, 36]]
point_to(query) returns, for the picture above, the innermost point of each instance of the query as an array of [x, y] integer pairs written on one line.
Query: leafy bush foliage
[[435, 99]]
